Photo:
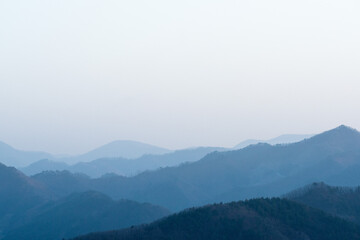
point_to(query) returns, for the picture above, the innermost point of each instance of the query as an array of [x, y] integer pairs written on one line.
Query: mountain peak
[[345, 128], [341, 134]]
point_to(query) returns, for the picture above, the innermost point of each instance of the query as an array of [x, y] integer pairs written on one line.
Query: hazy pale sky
[[75, 74]]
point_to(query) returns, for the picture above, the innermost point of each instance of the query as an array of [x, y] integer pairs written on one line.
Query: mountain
[[122, 166], [250, 220], [30, 210], [149, 162], [282, 139], [18, 194], [128, 158], [44, 165], [120, 148], [323, 157], [343, 202], [17, 158], [63, 183], [45, 161], [255, 171], [115, 158], [82, 213]]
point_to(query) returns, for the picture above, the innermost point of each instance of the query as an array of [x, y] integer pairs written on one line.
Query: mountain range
[[120, 149], [255, 171], [123, 166], [106, 162], [62, 204]]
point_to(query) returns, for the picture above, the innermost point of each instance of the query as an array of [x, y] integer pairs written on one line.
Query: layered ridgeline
[[29, 210], [278, 219], [18, 158], [282, 139], [120, 148], [123, 166], [128, 158], [255, 171], [343, 202], [123, 149]]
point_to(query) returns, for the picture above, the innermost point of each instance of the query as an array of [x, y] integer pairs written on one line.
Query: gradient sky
[[75, 74]]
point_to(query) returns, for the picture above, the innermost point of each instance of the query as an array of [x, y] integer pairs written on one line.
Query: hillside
[[18, 194], [83, 213], [340, 201], [250, 220]]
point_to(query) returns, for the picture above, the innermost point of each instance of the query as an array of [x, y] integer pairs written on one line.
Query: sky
[[76, 74]]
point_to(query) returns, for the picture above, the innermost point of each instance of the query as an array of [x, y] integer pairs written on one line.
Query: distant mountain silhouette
[[18, 158], [255, 171], [120, 148], [282, 139], [122, 166], [44, 165], [343, 202], [257, 219], [82, 213], [124, 149], [129, 158], [114, 157]]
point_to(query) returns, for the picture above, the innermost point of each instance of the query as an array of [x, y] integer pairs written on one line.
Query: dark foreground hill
[[83, 213], [277, 219], [340, 201]]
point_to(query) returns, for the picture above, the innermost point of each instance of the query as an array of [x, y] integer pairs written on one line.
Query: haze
[[78, 74]]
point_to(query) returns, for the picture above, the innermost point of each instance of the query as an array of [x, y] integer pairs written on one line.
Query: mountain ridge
[[343, 202], [80, 213], [255, 219], [282, 139], [122, 166], [254, 171], [19, 158]]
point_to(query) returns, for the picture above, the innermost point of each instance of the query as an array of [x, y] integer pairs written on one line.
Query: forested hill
[[81, 213], [340, 201], [257, 219]]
